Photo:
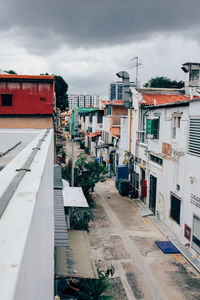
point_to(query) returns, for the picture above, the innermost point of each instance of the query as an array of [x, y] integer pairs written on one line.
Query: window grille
[[194, 136]]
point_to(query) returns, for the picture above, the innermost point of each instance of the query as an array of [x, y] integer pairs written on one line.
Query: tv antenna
[[134, 63]]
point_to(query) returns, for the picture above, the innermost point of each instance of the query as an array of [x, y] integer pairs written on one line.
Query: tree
[[94, 289], [61, 88], [11, 72], [164, 82], [88, 173]]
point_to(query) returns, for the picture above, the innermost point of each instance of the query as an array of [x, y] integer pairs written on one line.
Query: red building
[[26, 101]]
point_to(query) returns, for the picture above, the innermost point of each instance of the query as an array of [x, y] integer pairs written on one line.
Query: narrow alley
[[119, 236]]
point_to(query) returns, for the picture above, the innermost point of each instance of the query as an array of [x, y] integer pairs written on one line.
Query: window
[[6, 100], [194, 136], [42, 99], [152, 128], [175, 209], [99, 118], [156, 159], [176, 123]]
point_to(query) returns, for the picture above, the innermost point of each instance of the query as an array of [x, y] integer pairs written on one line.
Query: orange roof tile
[[113, 102], [163, 99], [66, 114], [15, 76]]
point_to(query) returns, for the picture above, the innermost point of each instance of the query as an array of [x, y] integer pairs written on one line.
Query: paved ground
[[121, 237]]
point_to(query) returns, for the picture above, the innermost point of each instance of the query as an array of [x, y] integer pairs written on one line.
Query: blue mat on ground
[[167, 247]]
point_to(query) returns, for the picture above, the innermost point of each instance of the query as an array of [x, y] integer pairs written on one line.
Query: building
[[26, 210], [116, 90], [83, 100], [160, 142], [27, 101]]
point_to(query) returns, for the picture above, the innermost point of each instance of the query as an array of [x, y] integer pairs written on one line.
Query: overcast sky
[[89, 41]]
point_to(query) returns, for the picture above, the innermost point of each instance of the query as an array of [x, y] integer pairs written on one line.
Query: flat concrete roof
[[13, 141]]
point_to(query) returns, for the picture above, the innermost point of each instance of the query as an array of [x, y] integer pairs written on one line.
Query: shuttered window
[[194, 136], [152, 128]]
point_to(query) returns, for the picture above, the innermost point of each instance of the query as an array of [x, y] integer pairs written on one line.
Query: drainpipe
[[130, 124], [143, 123]]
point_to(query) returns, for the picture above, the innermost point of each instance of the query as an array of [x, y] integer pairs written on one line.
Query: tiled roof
[[115, 102], [157, 99], [14, 76]]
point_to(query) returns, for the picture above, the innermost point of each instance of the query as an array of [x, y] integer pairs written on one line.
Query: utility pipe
[[130, 124], [143, 124]]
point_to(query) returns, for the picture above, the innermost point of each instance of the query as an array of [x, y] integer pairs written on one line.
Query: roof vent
[[127, 99]]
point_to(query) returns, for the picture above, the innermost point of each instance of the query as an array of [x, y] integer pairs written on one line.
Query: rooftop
[[13, 141], [157, 99], [24, 201], [26, 77]]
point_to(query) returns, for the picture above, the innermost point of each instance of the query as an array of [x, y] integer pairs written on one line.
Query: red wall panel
[[28, 97]]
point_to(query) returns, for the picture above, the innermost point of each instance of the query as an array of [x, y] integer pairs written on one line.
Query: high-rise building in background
[[116, 90], [83, 100]]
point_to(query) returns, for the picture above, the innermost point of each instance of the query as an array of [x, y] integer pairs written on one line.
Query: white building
[[26, 214], [160, 139], [72, 100], [83, 100]]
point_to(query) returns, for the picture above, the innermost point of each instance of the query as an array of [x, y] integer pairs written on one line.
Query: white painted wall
[[27, 228]]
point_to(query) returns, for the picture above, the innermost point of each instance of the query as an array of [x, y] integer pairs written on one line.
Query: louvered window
[[194, 136]]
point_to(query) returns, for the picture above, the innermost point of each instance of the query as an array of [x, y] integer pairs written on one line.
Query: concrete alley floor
[[119, 236]]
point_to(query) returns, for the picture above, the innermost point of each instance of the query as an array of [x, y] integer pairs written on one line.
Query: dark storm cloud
[[91, 23]]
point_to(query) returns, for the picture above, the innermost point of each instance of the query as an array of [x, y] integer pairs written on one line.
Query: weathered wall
[[28, 97], [26, 122]]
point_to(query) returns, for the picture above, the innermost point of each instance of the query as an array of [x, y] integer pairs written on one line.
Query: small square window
[[6, 100], [42, 99]]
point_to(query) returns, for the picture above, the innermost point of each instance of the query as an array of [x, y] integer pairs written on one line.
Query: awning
[[94, 134], [75, 261], [74, 197]]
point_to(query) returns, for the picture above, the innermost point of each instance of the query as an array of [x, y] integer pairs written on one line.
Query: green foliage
[[11, 72], [87, 150], [92, 289], [63, 153], [88, 173], [82, 144], [61, 88], [164, 82], [80, 219], [67, 170]]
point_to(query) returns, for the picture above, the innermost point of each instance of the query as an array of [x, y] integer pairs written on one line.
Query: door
[[196, 234], [142, 184], [152, 193]]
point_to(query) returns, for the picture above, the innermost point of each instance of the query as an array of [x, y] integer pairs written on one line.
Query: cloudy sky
[[89, 41]]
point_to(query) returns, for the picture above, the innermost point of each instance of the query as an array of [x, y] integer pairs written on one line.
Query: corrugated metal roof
[[74, 197], [57, 177], [60, 227]]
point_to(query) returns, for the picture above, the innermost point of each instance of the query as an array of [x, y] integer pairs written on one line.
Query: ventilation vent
[[194, 136]]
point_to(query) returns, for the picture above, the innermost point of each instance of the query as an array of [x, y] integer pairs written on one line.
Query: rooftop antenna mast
[[135, 63]]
